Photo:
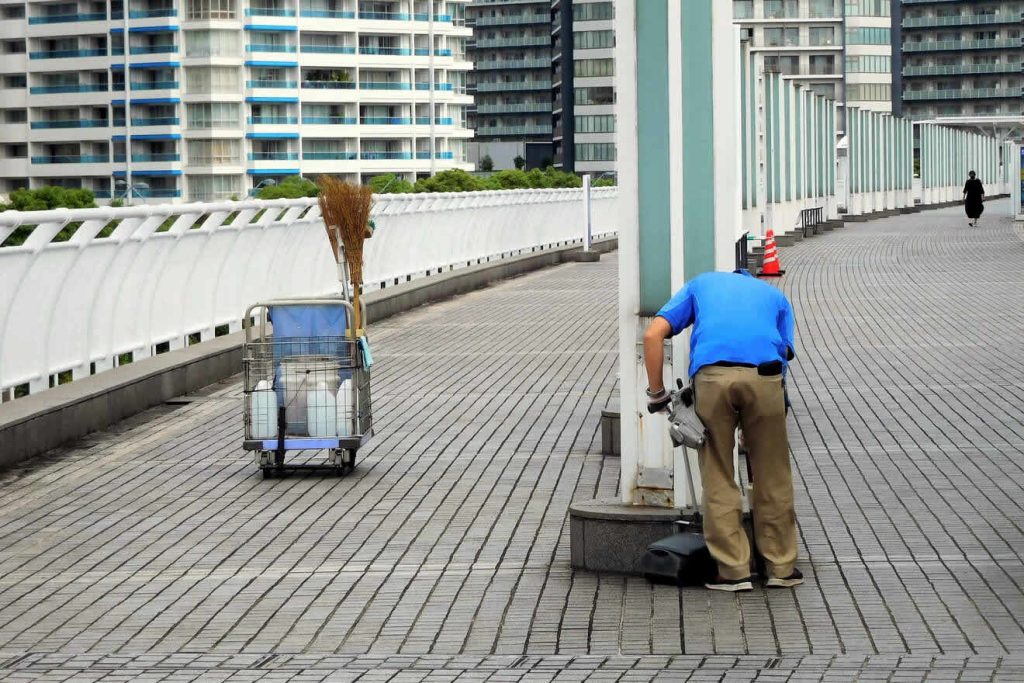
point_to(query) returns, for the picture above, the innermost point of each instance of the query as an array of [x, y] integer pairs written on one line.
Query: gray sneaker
[[794, 579], [730, 585]]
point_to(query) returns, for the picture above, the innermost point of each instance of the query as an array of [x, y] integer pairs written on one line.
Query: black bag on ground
[[681, 559]]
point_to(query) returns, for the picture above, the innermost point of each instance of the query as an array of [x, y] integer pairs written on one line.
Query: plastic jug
[[344, 403], [321, 412], [263, 411]]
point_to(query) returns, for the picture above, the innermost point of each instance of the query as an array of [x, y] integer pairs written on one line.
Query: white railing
[[168, 275]]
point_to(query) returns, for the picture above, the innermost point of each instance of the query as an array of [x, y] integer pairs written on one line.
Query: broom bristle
[[346, 213]]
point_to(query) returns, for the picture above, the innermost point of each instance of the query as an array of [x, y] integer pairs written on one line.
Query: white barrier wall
[[880, 169], [946, 156], [169, 272]]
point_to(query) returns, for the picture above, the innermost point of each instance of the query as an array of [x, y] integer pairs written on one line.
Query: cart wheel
[[350, 458], [268, 472], [279, 460]]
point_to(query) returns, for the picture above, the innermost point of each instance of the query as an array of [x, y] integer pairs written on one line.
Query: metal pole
[[430, 84], [127, 109], [587, 237]]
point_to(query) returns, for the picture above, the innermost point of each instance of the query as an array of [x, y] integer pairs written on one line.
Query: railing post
[[586, 212]]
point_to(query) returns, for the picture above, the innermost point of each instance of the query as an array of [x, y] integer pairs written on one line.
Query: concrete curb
[[35, 424]]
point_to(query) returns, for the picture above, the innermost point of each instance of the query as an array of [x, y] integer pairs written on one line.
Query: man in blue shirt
[[741, 341]]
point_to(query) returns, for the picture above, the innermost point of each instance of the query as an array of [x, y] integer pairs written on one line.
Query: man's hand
[[658, 400]]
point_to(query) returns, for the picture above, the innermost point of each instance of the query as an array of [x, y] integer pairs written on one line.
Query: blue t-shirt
[[735, 317]]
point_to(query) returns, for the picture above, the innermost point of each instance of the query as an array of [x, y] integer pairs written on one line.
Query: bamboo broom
[[346, 212]]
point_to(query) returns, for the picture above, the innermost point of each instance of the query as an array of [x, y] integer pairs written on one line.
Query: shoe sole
[[730, 587], [784, 583]]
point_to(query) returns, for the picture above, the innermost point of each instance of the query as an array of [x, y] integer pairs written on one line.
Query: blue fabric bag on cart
[[305, 327]]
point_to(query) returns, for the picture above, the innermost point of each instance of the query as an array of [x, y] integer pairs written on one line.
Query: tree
[[545, 162], [607, 181], [519, 162], [487, 163], [454, 180], [292, 187], [389, 183], [50, 197]]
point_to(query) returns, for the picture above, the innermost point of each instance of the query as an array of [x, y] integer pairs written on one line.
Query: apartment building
[[868, 63], [583, 86], [961, 58], [216, 98], [511, 78]]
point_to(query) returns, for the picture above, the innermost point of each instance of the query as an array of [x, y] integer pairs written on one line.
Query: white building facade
[[225, 95]]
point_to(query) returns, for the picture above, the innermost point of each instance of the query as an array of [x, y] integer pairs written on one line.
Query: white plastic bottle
[[345, 412], [263, 411], [321, 413]]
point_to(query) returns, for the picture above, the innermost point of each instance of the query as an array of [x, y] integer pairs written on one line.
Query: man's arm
[[787, 328], [654, 353]]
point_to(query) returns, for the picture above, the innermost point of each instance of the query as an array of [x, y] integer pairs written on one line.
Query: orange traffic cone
[[770, 268]]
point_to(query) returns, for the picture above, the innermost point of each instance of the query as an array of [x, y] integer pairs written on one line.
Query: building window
[[215, 79], [593, 11], [593, 39], [868, 92], [869, 64], [595, 151], [209, 187], [215, 152], [823, 65], [867, 8], [599, 95], [600, 123], [824, 89], [743, 9], [823, 9], [212, 43], [821, 35], [868, 36], [781, 9], [15, 116], [777, 37], [211, 9], [586, 68], [214, 115]]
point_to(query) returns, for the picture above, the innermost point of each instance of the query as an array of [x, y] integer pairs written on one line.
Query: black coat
[[974, 192]]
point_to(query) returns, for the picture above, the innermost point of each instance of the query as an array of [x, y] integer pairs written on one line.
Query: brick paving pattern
[[155, 551]]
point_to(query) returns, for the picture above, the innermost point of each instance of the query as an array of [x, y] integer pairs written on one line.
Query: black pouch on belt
[[770, 369]]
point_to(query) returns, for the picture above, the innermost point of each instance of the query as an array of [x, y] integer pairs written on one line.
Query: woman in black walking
[[974, 196]]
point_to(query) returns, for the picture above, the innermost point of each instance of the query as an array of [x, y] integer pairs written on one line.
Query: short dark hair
[[971, 173]]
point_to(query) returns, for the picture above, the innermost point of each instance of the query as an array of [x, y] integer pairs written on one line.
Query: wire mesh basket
[[320, 382]]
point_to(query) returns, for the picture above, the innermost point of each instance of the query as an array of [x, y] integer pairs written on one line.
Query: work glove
[[658, 401]]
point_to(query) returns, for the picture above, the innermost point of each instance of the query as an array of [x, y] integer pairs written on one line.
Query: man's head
[[971, 175]]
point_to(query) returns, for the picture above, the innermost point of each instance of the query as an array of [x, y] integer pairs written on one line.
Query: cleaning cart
[[307, 384]]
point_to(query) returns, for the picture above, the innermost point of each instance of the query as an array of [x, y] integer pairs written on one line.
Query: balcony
[[393, 51], [152, 49], [82, 159], [329, 85], [326, 14], [965, 94], [330, 120], [517, 20], [962, 20], [425, 52], [155, 13], [54, 89], [273, 120], [155, 85], [272, 84], [523, 108], [440, 121], [437, 86], [377, 156], [151, 193], [67, 54], [330, 156], [963, 69], [153, 121], [384, 85], [273, 156], [385, 16], [328, 49], [513, 64], [269, 12], [513, 130], [523, 41], [66, 18], [148, 158], [385, 120], [437, 155], [71, 123], [956, 45], [264, 47], [516, 85]]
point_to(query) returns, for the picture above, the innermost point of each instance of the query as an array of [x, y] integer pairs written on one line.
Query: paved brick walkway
[[156, 551]]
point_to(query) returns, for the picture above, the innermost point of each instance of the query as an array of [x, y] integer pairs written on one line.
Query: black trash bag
[[681, 559]]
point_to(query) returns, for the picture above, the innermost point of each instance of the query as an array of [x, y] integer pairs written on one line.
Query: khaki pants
[[727, 397]]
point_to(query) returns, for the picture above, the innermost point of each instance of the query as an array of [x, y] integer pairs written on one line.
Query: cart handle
[[247, 325]]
